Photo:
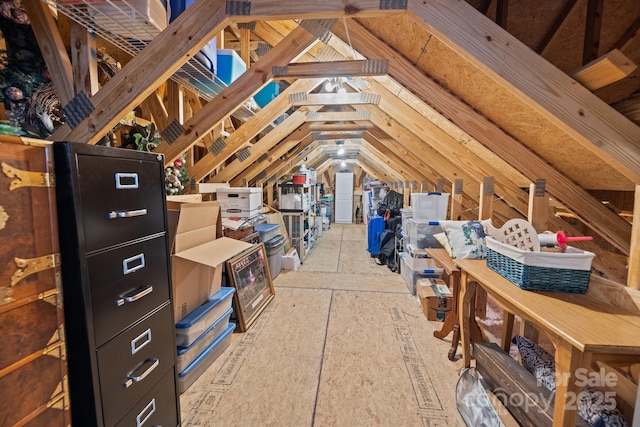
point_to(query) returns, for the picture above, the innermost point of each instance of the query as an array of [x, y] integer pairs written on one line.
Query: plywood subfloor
[[343, 343]]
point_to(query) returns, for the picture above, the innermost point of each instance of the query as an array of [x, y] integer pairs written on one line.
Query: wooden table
[[442, 258], [582, 328]]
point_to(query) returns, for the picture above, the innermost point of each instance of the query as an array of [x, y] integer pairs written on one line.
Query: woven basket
[[567, 271]]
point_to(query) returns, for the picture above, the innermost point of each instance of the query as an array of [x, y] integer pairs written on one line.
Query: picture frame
[[249, 274]]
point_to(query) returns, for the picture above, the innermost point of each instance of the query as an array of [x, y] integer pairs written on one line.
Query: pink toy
[[559, 239]]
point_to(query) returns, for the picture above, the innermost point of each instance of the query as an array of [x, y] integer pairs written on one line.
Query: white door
[[344, 198]]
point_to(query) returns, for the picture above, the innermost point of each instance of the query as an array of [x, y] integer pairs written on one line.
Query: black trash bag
[[392, 202], [386, 256]]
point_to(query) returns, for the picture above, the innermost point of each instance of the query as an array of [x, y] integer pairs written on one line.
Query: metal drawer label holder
[[122, 180], [136, 345], [126, 268], [144, 415]]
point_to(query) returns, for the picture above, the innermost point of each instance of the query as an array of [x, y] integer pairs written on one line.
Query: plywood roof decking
[[447, 41]]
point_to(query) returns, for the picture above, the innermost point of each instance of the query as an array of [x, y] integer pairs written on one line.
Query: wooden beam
[[591, 48], [354, 98], [456, 200], [629, 34], [502, 11], [52, 48], [265, 143], [370, 67], [557, 23], [247, 131], [237, 93], [545, 88], [344, 116], [268, 10], [599, 218], [156, 107], [160, 59], [538, 213], [609, 68], [633, 279], [175, 102], [245, 45], [84, 60]]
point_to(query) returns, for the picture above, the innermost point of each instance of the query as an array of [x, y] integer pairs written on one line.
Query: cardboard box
[[435, 297], [198, 253]]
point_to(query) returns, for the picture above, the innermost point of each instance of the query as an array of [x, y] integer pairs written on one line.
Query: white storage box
[[421, 233], [429, 206], [186, 355], [205, 359], [200, 319], [243, 202], [136, 19], [291, 261], [294, 202]]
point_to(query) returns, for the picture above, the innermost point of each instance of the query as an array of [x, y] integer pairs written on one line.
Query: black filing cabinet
[[116, 286]]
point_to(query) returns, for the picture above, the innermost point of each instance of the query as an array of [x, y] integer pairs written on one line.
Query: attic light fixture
[[343, 163], [340, 151]]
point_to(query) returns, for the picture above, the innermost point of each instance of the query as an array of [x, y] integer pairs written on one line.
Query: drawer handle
[[139, 293], [234, 210], [123, 181], [144, 415], [133, 378], [136, 346], [126, 214], [126, 269]]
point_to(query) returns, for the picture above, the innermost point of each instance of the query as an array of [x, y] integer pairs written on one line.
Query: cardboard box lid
[[214, 252], [198, 223], [431, 288]]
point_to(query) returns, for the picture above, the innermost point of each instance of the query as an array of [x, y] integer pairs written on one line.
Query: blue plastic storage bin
[[267, 231], [267, 94], [230, 65], [205, 359], [186, 355], [200, 319]]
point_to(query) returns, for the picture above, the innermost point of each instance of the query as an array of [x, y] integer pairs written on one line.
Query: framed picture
[[249, 275]]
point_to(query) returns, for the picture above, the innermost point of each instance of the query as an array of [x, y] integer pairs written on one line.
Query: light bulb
[[343, 164], [341, 89], [341, 152]]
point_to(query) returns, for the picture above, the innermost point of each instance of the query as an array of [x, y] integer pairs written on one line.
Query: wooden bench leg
[[507, 331], [481, 303]]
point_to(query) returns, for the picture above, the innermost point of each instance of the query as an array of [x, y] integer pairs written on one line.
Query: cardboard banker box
[[198, 254], [435, 297]]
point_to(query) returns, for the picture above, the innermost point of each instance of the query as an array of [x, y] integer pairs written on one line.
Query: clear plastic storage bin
[[200, 319], [429, 206]]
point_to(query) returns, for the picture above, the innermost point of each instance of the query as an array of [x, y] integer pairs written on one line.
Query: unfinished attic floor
[[343, 343]]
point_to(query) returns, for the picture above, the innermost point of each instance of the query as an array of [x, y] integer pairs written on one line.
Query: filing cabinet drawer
[[133, 362], [156, 408], [121, 199], [126, 283]]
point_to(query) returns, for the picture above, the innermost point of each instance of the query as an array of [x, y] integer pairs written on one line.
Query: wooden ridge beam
[[158, 61], [597, 217], [342, 116], [549, 91]]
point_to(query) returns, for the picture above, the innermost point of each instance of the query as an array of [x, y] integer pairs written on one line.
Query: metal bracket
[[393, 4], [78, 109], [27, 178], [243, 154], [217, 146], [172, 132], [237, 8], [321, 28], [29, 266]]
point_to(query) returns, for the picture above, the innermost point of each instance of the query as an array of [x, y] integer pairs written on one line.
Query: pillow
[[538, 361], [466, 238], [592, 403], [442, 239]]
